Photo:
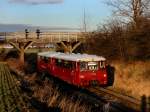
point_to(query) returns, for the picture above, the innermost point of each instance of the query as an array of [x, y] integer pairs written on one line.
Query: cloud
[[36, 2]]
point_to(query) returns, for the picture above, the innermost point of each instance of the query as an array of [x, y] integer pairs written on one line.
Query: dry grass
[[69, 106], [50, 94], [133, 78], [53, 98], [13, 63]]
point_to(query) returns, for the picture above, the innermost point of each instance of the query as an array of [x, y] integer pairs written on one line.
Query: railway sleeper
[[93, 83]]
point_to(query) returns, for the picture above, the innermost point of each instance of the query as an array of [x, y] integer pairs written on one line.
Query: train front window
[[88, 66], [83, 66], [92, 65]]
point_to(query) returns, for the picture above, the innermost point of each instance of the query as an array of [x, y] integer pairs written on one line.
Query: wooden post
[[148, 106], [143, 104]]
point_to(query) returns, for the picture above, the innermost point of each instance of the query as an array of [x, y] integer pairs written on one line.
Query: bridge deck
[[46, 37]]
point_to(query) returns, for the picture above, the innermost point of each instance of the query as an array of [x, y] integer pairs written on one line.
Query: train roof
[[72, 57], [48, 54]]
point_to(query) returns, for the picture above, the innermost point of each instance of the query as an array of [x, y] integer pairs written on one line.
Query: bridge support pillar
[[68, 47], [21, 48]]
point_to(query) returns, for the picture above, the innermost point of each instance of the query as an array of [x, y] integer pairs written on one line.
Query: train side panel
[[80, 73], [66, 74], [41, 64]]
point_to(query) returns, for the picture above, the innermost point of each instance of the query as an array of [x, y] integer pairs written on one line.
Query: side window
[[41, 57], [68, 64], [64, 64], [59, 62], [83, 66], [46, 60], [74, 65]]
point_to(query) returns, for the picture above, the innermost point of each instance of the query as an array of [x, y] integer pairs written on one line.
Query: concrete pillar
[[68, 47], [21, 49]]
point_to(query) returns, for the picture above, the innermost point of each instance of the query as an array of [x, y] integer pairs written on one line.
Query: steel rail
[[123, 99]]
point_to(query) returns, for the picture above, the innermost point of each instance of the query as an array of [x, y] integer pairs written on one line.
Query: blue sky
[[54, 13]]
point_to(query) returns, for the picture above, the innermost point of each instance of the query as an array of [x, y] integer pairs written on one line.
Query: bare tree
[[132, 10]]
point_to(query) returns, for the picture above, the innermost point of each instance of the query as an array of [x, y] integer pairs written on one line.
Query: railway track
[[112, 96], [128, 103], [109, 100]]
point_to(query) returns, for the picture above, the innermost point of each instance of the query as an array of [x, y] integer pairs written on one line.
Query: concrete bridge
[[44, 37], [66, 41]]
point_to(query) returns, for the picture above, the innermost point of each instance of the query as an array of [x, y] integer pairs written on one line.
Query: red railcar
[[76, 69]]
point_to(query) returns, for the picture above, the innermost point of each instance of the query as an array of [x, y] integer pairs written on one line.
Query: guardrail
[[44, 36]]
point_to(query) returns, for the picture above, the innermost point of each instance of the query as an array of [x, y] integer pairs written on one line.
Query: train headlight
[[105, 75], [81, 76]]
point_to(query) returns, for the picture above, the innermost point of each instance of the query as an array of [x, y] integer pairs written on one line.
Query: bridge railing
[[46, 36]]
